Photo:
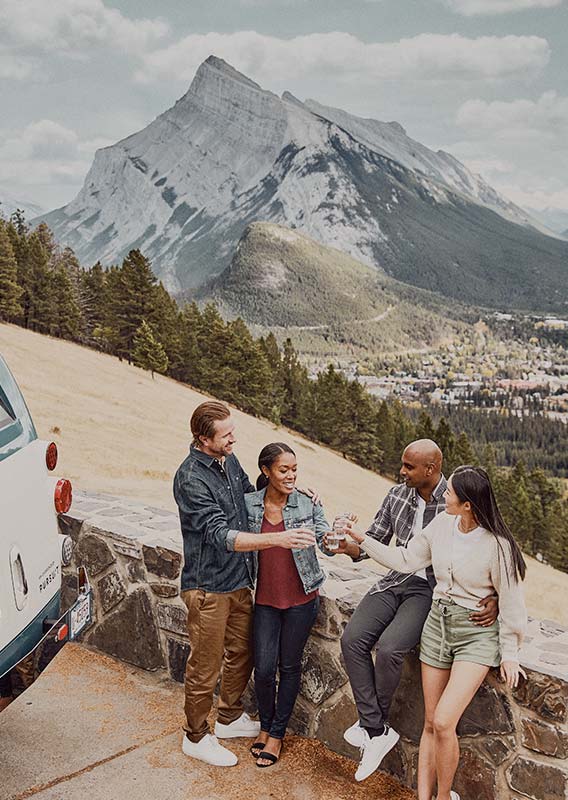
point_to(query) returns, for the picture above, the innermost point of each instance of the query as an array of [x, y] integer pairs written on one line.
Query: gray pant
[[392, 621]]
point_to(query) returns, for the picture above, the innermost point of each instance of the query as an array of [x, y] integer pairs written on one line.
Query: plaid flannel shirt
[[395, 517]]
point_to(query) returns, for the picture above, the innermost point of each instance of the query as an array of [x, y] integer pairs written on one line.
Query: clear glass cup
[[337, 535]]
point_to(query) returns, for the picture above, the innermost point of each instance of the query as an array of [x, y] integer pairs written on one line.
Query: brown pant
[[220, 636]]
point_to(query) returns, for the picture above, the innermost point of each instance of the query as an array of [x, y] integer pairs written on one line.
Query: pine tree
[[425, 426], [131, 297], [10, 293], [148, 352]]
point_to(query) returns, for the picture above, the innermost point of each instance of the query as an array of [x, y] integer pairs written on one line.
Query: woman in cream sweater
[[473, 553]]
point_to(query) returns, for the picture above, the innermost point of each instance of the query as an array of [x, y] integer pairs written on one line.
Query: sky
[[485, 80]]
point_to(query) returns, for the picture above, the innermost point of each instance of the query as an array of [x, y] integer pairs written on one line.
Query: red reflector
[[62, 633], [63, 496], [51, 456]]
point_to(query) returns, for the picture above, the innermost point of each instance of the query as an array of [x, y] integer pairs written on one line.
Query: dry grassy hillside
[[121, 432]]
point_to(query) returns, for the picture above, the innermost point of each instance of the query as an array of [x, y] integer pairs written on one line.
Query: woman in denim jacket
[[287, 600]]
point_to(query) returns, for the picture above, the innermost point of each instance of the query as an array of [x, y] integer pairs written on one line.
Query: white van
[[32, 550]]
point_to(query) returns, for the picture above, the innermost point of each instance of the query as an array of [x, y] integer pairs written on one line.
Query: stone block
[[164, 589], [488, 712], [127, 549], [70, 525], [332, 721], [111, 591], [476, 775], [407, 710], [544, 738], [248, 699], [330, 623], [537, 780], [130, 632], [545, 695], [135, 570], [301, 720], [177, 658], [68, 590], [322, 673], [162, 562], [93, 553], [172, 617], [394, 763], [498, 749]]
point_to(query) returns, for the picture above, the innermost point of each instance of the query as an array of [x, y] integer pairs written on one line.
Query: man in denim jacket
[[217, 581]]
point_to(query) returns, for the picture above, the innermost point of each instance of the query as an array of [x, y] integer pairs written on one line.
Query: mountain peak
[[218, 67]]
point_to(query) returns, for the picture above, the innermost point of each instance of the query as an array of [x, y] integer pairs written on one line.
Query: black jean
[[280, 636], [390, 621]]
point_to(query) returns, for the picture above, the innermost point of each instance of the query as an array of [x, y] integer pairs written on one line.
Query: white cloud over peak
[[67, 27], [470, 8], [342, 56]]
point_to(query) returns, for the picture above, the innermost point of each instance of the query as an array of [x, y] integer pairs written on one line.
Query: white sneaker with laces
[[355, 735], [243, 726], [209, 750], [374, 750]]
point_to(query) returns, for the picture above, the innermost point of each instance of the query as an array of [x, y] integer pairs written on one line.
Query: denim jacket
[[210, 499], [299, 512]]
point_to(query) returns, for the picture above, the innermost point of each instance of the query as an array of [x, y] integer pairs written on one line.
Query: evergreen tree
[[131, 296], [10, 293], [148, 352], [189, 362], [425, 426]]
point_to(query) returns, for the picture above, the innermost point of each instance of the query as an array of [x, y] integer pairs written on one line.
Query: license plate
[[80, 615]]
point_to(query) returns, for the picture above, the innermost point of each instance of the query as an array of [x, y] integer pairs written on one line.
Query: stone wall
[[514, 744]]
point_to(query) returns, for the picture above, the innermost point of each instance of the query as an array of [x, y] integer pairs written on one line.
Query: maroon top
[[278, 583]]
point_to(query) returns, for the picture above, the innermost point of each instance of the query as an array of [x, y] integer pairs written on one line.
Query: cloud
[[519, 146], [344, 57], [470, 8], [29, 28], [545, 118], [44, 152]]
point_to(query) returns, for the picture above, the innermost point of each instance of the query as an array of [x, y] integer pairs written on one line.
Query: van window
[[16, 426]]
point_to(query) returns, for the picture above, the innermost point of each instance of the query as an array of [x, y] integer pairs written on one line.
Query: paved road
[[96, 728]]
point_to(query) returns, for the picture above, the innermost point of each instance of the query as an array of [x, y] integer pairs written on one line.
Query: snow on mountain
[[9, 204], [229, 152]]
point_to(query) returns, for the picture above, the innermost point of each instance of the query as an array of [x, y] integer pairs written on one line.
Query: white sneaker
[[355, 735], [209, 750], [243, 726], [454, 796], [374, 750]]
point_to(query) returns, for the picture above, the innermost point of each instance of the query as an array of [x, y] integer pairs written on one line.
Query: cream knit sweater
[[465, 581]]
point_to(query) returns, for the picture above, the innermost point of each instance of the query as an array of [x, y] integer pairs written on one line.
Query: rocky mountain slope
[[332, 305], [229, 153]]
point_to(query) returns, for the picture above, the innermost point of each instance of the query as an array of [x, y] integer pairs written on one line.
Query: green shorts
[[449, 635]]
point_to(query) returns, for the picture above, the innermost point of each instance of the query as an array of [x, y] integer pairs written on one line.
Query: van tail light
[[63, 496], [51, 456]]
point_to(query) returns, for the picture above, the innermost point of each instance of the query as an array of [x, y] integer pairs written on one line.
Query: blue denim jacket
[[299, 512], [212, 511]]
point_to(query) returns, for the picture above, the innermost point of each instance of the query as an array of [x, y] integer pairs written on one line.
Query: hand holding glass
[[342, 522]]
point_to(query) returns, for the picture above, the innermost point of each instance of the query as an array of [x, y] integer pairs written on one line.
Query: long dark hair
[[267, 457], [472, 484]]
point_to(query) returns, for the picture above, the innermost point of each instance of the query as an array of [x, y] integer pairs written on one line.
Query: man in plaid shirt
[[391, 616]]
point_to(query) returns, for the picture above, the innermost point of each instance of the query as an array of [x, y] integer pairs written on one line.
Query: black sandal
[[257, 746], [268, 757]]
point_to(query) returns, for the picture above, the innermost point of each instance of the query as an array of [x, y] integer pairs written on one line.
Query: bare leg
[[465, 680], [434, 681]]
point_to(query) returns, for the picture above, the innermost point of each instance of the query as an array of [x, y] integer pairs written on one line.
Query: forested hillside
[[124, 311]]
